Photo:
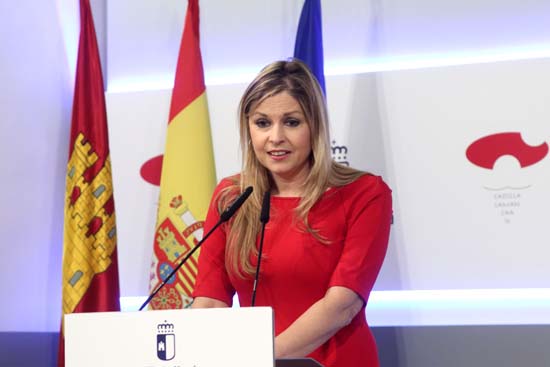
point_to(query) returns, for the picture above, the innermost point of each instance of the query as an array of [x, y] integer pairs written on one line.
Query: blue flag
[[309, 40]]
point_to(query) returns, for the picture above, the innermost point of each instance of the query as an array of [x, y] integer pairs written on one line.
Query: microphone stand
[[264, 218], [228, 213], [189, 254]]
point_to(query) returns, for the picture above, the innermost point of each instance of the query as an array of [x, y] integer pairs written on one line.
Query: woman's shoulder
[[227, 188], [229, 181], [366, 193], [365, 186], [372, 182]]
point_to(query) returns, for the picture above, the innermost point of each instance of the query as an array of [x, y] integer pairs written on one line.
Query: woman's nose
[[277, 134]]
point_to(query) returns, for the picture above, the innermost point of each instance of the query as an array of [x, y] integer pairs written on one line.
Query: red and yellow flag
[[90, 270], [188, 174]]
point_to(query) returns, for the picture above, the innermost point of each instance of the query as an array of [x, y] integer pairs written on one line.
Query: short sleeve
[[368, 209], [212, 278]]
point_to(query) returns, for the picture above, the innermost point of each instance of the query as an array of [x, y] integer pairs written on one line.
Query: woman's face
[[280, 137]]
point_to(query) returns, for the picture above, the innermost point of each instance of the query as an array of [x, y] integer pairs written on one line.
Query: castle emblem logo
[[166, 341]]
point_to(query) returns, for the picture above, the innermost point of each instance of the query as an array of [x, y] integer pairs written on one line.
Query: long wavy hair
[[295, 78]]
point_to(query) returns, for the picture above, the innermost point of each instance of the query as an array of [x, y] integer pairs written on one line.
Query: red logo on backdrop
[[507, 185], [485, 151], [150, 171]]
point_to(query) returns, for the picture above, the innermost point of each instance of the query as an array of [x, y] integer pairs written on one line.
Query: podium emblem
[[166, 341]]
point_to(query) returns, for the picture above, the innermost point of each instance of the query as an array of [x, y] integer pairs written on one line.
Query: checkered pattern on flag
[[90, 269]]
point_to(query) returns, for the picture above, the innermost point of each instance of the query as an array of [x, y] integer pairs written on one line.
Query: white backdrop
[[450, 233], [457, 225]]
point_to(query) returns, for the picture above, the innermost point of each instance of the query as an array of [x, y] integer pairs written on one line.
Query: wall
[[35, 105]]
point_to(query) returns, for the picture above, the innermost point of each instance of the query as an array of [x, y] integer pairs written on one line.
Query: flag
[[188, 174], [309, 40], [90, 269]]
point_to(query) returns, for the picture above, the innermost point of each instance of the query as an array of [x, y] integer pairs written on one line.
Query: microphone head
[[246, 193], [264, 215], [228, 213]]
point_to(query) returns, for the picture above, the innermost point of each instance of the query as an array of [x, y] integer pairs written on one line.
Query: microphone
[[228, 213], [264, 218], [224, 217], [264, 215]]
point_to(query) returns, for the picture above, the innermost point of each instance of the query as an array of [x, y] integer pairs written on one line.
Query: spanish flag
[[90, 271], [188, 174]]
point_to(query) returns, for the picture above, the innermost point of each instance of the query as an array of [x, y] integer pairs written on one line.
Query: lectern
[[228, 337]]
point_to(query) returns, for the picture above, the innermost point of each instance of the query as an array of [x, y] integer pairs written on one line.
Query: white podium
[[229, 337]]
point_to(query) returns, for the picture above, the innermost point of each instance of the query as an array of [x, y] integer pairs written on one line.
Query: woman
[[327, 236]]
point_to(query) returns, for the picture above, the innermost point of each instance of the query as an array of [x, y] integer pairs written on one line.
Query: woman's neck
[[283, 188], [290, 185], [287, 193]]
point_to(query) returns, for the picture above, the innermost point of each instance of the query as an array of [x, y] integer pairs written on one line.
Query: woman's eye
[[261, 123], [292, 122]]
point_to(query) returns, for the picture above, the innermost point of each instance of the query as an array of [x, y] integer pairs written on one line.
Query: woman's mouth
[[278, 154]]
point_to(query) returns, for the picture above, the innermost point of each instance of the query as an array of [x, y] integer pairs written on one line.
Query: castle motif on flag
[[89, 221]]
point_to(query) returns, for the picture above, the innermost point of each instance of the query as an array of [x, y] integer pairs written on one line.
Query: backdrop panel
[[459, 223]]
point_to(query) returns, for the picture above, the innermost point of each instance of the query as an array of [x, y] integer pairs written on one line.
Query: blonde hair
[[295, 78]]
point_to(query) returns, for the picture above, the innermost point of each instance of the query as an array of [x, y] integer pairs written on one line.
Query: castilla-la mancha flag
[[188, 174], [90, 271]]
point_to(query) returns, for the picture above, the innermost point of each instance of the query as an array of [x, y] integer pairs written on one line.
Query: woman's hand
[[319, 323]]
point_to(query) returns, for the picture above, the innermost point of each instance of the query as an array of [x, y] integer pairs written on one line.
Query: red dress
[[297, 270]]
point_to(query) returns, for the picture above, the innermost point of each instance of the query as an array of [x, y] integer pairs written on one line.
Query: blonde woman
[[327, 236]]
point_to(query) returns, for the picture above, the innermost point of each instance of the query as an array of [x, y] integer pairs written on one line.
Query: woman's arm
[[368, 212], [320, 322], [205, 302]]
